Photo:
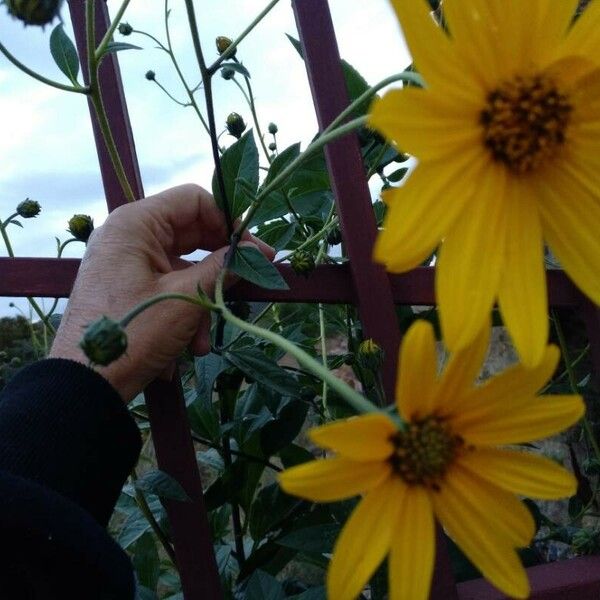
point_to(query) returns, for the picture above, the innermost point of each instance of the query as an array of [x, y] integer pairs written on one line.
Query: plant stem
[[207, 80], [156, 528], [230, 51], [329, 225], [55, 84], [573, 381], [111, 30], [352, 397]]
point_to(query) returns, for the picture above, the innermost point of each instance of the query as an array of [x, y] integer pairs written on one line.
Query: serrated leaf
[[64, 53], [237, 67], [256, 364], [262, 586], [318, 539], [281, 161], [251, 264], [239, 164], [271, 207], [163, 485], [276, 234]]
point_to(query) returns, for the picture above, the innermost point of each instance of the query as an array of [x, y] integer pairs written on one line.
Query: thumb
[[202, 274]]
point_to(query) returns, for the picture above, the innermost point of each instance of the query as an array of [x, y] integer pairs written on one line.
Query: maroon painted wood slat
[[352, 196], [166, 407]]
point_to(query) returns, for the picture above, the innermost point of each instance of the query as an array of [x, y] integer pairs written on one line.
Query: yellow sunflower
[[443, 462], [507, 135]]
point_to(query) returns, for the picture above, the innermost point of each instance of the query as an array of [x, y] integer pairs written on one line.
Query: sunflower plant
[[499, 114]]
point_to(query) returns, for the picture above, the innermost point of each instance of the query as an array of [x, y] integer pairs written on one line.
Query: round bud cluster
[[28, 208], [150, 75], [302, 262], [34, 12], [223, 43], [272, 146], [125, 29], [104, 341], [227, 73], [235, 125], [369, 355], [273, 129], [81, 227]]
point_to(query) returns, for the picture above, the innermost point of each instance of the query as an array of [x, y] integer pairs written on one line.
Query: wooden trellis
[[360, 283]]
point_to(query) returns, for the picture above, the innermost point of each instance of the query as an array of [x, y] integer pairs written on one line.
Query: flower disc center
[[424, 451], [524, 122]]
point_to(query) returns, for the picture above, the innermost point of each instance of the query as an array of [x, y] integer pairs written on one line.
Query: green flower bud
[[125, 29], [334, 237], [29, 208], [227, 73], [150, 75], [235, 125], [272, 146], [81, 227], [302, 262], [273, 129], [104, 341], [34, 12], [223, 43], [369, 355]]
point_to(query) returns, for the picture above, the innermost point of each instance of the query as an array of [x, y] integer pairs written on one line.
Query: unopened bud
[[369, 355], [272, 146], [235, 125], [29, 208], [34, 12], [273, 129], [125, 29], [81, 227], [223, 43], [227, 73], [150, 75], [334, 237], [104, 341], [302, 262]]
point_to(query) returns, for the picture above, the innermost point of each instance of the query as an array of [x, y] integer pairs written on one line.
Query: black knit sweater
[[67, 444]]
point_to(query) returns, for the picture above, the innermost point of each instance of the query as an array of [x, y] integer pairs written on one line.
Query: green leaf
[[262, 586], [264, 370], [135, 527], [240, 173], [118, 46], [316, 593], [208, 368], [146, 561], [251, 264], [277, 234], [318, 539], [64, 53], [270, 507], [235, 66], [163, 485], [271, 207], [281, 161], [282, 431]]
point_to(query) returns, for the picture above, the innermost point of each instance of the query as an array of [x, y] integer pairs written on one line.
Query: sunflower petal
[[464, 506], [413, 544], [521, 473], [333, 479], [417, 372], [425, 123], [470, 263], [523, 299], [459, 374], [427, 43], [364, 438], [570, 210], [365, 540], [519, 420], [422, 211]]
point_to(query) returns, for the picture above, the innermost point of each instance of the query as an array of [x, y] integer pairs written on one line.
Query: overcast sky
[[46, 144]]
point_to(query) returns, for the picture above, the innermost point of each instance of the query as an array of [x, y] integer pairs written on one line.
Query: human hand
[[136, 255]]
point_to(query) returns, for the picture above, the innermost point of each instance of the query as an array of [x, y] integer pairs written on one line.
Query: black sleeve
[[67, 444]]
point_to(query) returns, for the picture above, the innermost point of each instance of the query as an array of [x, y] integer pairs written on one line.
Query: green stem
[[7, 221], [111, 30], [164, 89], [230, 51], [156, 528], [329, 225], [573, 381], [352, 397], [55, 84], [373, 169], [312, 148]]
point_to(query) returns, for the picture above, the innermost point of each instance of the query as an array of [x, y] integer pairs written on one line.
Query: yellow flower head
[[444, 463], [507, 135]]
